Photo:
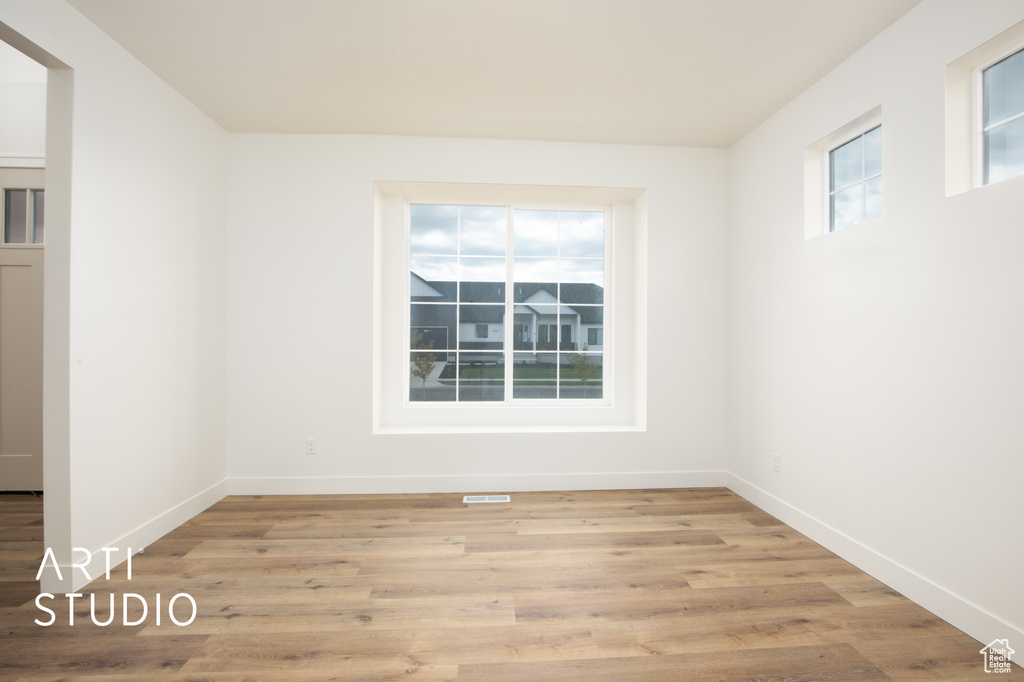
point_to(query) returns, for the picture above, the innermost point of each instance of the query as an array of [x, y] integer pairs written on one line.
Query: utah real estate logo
[[997, 656]]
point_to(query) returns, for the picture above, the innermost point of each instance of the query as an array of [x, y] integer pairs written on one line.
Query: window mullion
[[30, 230], [993, 126], [30, 216], [863, 176], [558, 310], [510, 308], [458, 306]]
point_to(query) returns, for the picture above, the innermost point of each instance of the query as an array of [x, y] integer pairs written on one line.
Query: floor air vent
[[470, 499]]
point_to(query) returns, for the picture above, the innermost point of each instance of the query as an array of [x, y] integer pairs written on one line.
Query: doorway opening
[[23, 84]]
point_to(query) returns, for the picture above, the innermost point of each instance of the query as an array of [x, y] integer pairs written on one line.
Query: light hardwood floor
[[616, 585]]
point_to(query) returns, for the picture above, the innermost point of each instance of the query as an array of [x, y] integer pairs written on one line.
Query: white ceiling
[[671, 72]]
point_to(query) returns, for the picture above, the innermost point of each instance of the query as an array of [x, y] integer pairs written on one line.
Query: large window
[[506, 304], [855, 180], [506, 308], [1002, 124]]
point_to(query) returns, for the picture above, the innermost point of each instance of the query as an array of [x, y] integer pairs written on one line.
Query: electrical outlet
[[776, 462], [311, 446]]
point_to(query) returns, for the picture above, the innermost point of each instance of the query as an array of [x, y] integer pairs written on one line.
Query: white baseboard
[[972, 619], [73, 579], [377, 485]]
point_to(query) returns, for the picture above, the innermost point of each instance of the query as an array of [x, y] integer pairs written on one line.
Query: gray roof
[[494, 292]]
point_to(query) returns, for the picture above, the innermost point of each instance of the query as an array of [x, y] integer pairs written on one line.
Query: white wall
[[135, 291], [884, 363], [300, 276], [22, 109]]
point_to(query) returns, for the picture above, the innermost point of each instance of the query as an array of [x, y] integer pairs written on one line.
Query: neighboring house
[[543, 320]]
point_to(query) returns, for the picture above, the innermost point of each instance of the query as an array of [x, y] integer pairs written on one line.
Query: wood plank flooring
[[649, 585]]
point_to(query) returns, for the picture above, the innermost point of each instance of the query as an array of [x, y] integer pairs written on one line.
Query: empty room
[[533, 340]]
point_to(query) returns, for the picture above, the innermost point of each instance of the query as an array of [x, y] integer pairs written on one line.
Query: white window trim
[[625, 379], [964, 146], [817, 219]]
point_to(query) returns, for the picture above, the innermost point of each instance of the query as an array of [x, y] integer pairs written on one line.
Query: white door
[[21, 328]]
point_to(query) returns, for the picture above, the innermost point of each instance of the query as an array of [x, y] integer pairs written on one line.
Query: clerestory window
[[855, 180], [1002, 124], [985, 113], [843, 176]]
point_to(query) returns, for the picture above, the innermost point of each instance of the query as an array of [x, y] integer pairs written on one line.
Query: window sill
[[491, 429]]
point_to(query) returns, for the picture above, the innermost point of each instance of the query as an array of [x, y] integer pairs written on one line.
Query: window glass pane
[[432, 326], [535, 232], [582, 270], [433, 278], [592, 325], [472, 315], [1003, 88], [481, 377], [432, 377], [482, 280], [582, 234], [568, 328], [547, 335], [847, 207], [15, 216], [873, 199], [535, 280], [847, 163], [458, 253], [873, 152], [1004, 151], [523, 329], [583, 280], [535, 375], [434, 229], [580, 376], [536, 327], [482, 231], [38, 225], [435, 268]]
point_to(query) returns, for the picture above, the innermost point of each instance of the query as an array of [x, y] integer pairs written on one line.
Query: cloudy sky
[[469, 243]]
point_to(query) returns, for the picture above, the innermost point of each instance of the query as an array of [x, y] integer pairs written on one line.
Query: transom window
[[1002, 127], [23, 216], [506, 304], [855, 180]]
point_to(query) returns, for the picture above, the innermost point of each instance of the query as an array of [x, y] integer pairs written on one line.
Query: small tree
[[584, 368], [422, 363]]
